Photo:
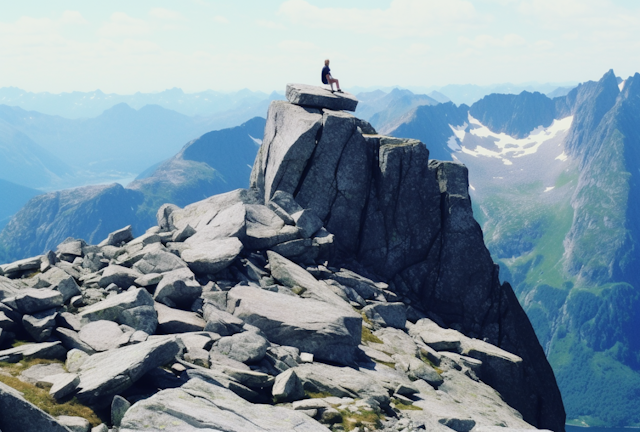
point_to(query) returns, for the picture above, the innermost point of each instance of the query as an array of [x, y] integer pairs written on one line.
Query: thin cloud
[[403, 18], [220, 19], [487, 41], [167, 15], [122, 24], [271, 25]]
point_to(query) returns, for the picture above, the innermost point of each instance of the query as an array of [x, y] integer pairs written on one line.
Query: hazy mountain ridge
[[216, 162], [76, 104]]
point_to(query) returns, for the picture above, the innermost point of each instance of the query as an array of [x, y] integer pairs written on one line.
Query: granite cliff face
[[347, 285]]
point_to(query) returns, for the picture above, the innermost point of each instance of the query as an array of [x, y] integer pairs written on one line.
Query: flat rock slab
[[105, 374], [318, 97], [24, 417], [172, 320], [45, 350], [32, 300], [111, 308], [198, 405], [312, 326]]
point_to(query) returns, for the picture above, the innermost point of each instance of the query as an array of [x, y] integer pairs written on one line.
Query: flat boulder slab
[[142, 318], [438, 338], [159, 261], [31, 300], [312, 326], [23, 265], [24, 416], [172, 320], [44, 350], [40, 325], [111, 308], [341, 382], [106, 374], [103, 335], [7, 288], [199, 405], [318, 97], [265, 228], [212, 256], [124, 277], [203, 213]]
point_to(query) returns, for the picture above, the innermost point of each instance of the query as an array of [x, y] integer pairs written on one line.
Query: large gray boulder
[[105, 374], [198, 405], [172, 320], [178, 287], [247, 347], [212, 256], [122, 276], [159, 262], [329, 333], [112, 308], [20, 415], [102, 335], [318, 97], [30, 300]]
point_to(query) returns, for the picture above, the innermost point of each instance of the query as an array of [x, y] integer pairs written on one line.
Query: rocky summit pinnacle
[[348, 289], [319, 97]]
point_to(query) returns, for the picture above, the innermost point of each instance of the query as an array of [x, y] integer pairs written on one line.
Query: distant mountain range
[[216, 162], [91, 104], [13, 197], [556, 188]]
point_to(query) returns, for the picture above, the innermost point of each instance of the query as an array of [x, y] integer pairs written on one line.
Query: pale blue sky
[[127, 46]]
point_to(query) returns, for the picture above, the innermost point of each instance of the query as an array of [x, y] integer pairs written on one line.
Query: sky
[[124, 46]]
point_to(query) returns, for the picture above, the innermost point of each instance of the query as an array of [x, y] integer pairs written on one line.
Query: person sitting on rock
[[327, 78]]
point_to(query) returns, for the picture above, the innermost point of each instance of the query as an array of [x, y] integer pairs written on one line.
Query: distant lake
[[597, 429]]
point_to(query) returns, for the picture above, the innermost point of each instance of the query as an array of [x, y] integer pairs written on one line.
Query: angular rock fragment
[[44, 350], [287, 387], [247, 347], [172, 320], [102, 335], [178, 287], [112, 308], [25, 417], [118, 237], [105, 374], [122, 276], [40, 325], [387, 314], [30, 300]]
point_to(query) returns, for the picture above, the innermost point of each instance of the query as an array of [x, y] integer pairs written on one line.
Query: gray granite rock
[[221, 322], [172, 320], [285, 150], [212, 256], [106, 374], [178, 287], [211, 407], [287, 387], [159, 262], [102, 335], [63, 385], [29, 300], [312, 326], [71, 340], [387, 314], [318, 97], [142, 318], [25, 417], [118, 237], [23, 265], [119, 407], [75, 358], [44, 350], [122, 276], [40, 325], [75, 424], [112, 308], [222, 218], [246, 347]]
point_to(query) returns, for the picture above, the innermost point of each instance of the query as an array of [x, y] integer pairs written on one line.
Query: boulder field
[[348, 288]]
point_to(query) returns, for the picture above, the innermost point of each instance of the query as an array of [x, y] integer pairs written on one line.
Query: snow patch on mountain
[[476, 139]]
